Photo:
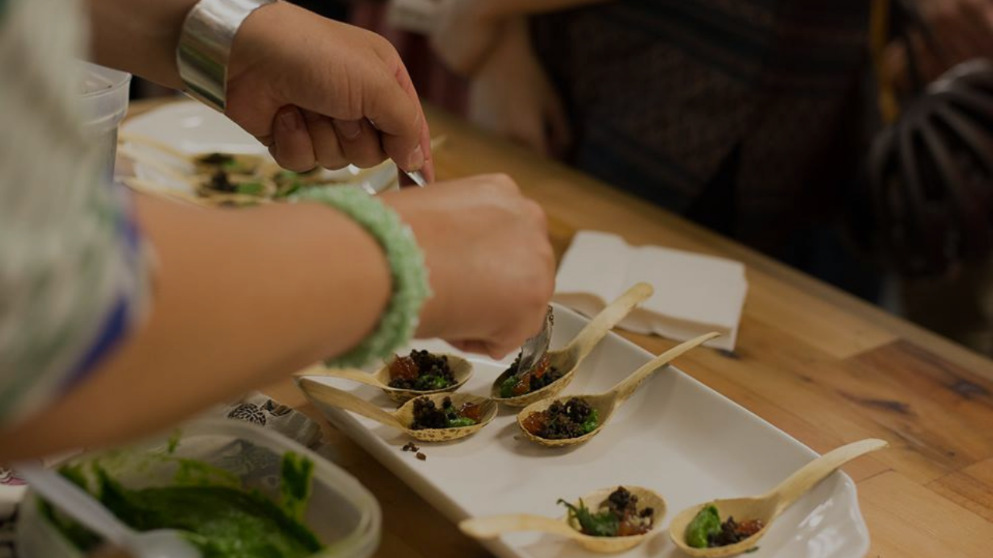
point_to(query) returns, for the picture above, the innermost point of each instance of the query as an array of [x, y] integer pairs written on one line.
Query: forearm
[[506, 8], [242, 298], [139, 36]]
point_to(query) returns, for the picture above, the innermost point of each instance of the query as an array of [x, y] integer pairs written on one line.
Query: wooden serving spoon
[[767, 507], [494, 526], [461, 371], [572, 355], [403, 417], [607, 402]]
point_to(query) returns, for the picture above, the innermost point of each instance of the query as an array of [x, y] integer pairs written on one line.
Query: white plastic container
[[104, 102], [343, 515]]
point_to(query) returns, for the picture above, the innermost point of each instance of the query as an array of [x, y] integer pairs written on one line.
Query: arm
[[139, 36], [961, 30], [466, 31], [305, 86], [227, 317], [512, 96], [246, 297], [507, 8]]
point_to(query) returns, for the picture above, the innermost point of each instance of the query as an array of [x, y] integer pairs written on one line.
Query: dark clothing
[[749, 97]]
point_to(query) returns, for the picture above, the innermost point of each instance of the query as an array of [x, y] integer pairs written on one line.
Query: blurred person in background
[[746, 117], [737, 115]]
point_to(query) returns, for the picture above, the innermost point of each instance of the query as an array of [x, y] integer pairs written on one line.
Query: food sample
[[222, 521], [428, 415], [562, 421], [221, 174], [707, 530], [421, 371], [540, 376], [617, 516]]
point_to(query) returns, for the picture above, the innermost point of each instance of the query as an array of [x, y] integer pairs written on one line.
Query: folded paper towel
[[694, 294]]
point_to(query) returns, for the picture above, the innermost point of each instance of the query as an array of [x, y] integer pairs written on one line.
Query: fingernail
[[290, 119], [349, 129], [416, 159]]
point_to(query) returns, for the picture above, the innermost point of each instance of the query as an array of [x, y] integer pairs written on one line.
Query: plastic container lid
[[343, 515], [104, 97]]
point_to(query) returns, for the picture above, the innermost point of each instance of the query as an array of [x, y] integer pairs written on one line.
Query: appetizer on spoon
[[565, 421], [554, 372], [699, 530], [402, 378], [429, 418], [607, 521]]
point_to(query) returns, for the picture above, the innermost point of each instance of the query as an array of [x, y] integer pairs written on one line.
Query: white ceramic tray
[[675, 435]]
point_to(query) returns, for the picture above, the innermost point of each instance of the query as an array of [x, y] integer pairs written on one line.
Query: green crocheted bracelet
[[407, 269]]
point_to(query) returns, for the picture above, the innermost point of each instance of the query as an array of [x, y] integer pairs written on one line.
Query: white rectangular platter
[[675, 435]]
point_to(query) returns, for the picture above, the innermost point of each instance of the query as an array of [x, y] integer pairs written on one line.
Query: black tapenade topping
[[421, 371], [561, 421]]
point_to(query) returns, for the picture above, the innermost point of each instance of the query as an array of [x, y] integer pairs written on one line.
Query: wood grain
[[816, 362]]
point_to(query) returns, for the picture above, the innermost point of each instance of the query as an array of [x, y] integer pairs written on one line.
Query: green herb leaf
[[459, 422], [289, 191], [706, 523], [431, 382], [507, 387], [604, 524], [251, 188], [591, 422]]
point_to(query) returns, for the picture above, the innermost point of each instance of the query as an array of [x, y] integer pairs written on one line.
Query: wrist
[[203, 51], [408, 272]]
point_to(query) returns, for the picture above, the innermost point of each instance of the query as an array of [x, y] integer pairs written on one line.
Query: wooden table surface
[[817, 363]]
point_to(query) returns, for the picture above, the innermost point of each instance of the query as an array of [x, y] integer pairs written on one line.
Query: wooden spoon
[[461, 371], [607, 402], [403, 417], [494, 526], [570, 357], [767, 507]]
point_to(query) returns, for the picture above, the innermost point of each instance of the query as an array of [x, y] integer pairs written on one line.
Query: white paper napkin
[[694, 294]]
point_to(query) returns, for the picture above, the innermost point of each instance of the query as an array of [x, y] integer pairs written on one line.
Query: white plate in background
[[194, 128], [675, 435]]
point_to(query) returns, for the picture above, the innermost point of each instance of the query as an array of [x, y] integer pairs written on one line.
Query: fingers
[[531, 134], [491, 350], [327, 148], [411, 148], [979, 16], [559, 130], [480, 347], [360, 142], [292, 146]]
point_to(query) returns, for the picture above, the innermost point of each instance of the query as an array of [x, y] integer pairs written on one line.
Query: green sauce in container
[[224, 521]]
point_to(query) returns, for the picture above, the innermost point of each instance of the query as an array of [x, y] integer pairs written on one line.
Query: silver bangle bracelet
[[205, 46]]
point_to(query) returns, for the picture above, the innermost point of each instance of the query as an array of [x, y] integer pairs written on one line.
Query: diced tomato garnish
[[534, 423], [403, 368], [472, 411]]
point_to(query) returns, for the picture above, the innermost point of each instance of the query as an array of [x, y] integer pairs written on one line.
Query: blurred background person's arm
[[466, 31], [511, 94], [959, 30]]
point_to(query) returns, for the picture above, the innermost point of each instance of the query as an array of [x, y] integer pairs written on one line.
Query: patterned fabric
[[72, 266], [664, 92]]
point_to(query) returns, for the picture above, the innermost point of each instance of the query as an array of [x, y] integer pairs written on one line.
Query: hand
[[513, 96], [961, 29], [490, 262], [463, 37], [311, 88]]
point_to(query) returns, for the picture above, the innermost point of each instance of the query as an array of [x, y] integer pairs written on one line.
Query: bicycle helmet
[[931, 174]]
